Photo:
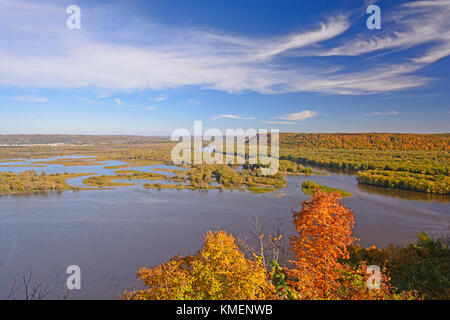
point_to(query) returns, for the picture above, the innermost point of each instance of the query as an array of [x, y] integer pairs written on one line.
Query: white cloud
[[278, 122], [412, 24], [435, 54], [160, 98], [232, 116], [299, 116], [151, 108], [384, 113], [329, 30], [84, 99], [103, 95], [170, 58], [118, 101], [30, 98]]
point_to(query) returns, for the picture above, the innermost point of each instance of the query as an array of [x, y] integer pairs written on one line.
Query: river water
[[111, 233]]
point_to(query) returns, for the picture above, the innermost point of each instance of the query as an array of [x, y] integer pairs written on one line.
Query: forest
[[424, 171], [430, 162], [373, 141], [439, 184], [30, 181]]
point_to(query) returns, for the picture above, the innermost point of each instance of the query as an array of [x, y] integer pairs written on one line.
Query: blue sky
[[149, 67]]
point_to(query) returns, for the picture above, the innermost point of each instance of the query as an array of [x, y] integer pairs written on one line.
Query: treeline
[[310, 187], [30, 181], [158, 150], [377, 141], [19, 139], [161, 154], [424, 171], [429, 162], [439, 184], [293, 167]]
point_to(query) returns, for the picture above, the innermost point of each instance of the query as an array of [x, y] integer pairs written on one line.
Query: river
[[111, 233]]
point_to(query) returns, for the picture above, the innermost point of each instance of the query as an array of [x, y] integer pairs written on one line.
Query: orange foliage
[[325, 227], [325, 231], [378, 141]]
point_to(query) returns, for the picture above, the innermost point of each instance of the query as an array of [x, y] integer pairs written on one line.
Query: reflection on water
[[337, 175], [404, 194]]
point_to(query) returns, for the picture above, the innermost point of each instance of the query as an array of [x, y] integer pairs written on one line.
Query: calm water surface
[[111, 233]]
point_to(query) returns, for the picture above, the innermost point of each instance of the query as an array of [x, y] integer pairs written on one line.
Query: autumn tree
[[320, 270], [324, 229], [218, 271]]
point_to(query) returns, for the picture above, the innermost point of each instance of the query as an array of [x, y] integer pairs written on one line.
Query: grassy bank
[[309, 187]]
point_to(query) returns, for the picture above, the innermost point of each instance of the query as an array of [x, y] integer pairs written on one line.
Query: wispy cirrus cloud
[[173, 57], [232, 116], [84, 99], [384, 113], [278, 122], [413, 23], [299, 116], [332, 28], [194, 101], [29, 98], [159, 98], [103, 95], [118, 101], [292, 118]]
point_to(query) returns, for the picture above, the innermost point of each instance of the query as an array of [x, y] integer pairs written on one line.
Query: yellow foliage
[[218, 271]]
